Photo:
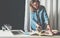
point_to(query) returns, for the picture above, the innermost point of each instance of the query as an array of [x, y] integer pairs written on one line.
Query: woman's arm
[[45, 17], [33, 23], [46, 22]]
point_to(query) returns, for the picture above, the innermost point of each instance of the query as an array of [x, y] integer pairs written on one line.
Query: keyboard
[[17, 32]]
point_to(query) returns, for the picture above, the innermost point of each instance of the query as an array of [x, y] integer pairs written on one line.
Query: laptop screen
[[12, 12]]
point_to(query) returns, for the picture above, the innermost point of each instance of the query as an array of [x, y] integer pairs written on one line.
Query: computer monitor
[[12, 12]]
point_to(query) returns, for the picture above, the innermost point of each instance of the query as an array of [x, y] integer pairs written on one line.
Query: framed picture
[[52, 9]]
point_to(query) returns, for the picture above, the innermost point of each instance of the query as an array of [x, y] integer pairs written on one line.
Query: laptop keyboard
[[17, 32]]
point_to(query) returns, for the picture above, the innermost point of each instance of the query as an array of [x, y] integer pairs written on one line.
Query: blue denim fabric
[[33, 19]]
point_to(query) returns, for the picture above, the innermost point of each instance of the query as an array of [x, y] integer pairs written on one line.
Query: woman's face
[[35, 5]]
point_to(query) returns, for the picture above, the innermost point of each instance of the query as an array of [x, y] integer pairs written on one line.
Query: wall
[[52, 11], [59, 15]]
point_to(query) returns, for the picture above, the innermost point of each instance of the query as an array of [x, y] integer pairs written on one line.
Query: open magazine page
[[29, 18], [42, 17]]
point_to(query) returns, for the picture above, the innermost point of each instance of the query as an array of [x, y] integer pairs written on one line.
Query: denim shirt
[[43, 18]]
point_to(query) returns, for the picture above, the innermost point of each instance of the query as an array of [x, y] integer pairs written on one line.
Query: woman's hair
[[32, 1]]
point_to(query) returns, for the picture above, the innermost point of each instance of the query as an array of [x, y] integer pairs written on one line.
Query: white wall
[[59, 15], [51, 7]]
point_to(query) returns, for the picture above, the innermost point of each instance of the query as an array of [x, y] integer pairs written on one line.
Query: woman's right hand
[[38, 28], [37, 25]]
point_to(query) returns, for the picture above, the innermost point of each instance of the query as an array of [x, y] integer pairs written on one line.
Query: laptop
[[17, 32]]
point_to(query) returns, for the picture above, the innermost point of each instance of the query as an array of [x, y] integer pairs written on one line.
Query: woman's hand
[[38, 28], [37, 25], [49, 30]]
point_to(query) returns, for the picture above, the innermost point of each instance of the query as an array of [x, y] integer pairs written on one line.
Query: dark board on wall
[[12, 12]]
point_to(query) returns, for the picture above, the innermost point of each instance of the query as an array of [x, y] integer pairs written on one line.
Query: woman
[[39, 17]]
